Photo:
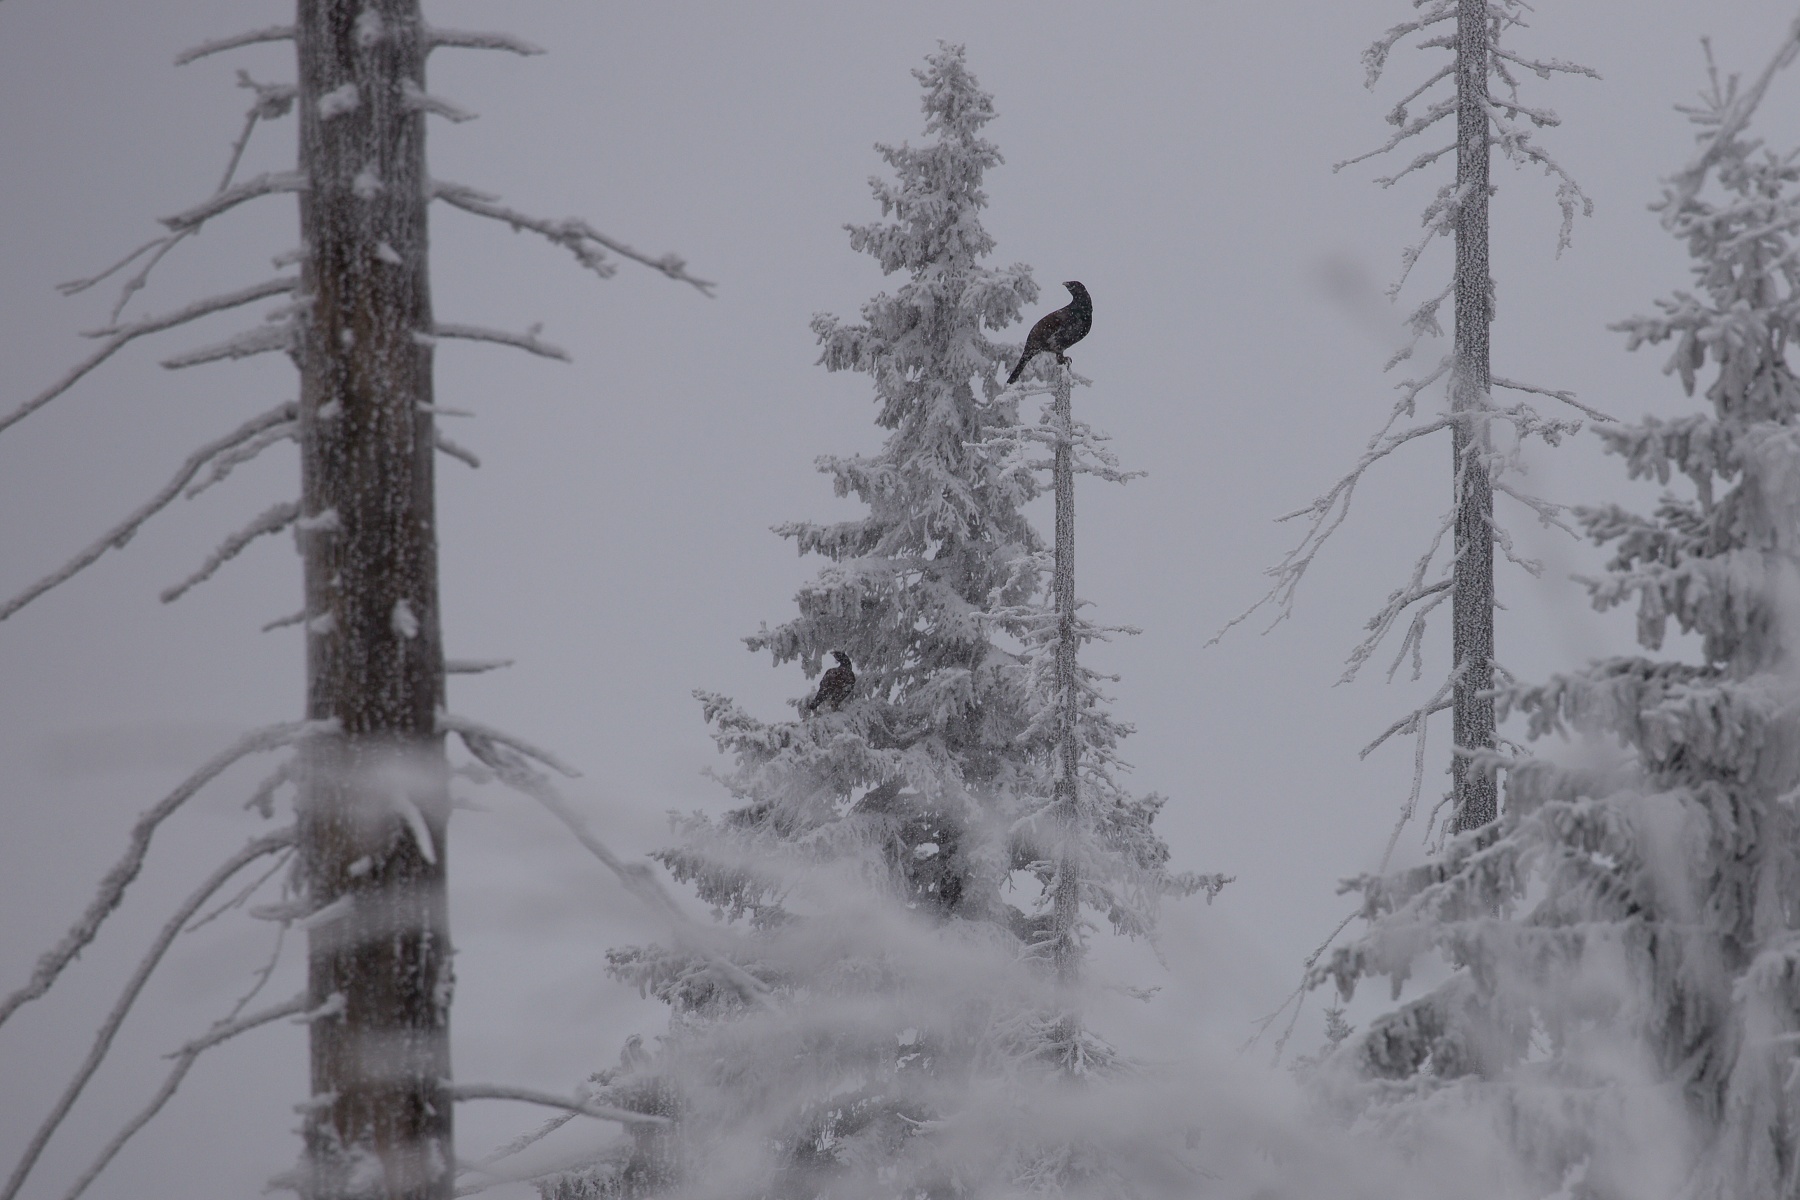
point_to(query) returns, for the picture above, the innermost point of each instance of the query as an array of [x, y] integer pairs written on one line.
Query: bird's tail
[[1018, 371]]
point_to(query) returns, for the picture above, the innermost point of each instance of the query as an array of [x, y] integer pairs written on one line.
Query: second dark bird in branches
[[1057, 331], [835, 686]]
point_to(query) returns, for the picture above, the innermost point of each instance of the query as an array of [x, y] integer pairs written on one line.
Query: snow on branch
[[446, 446], [185, 1058], [112, 886], [119, 336], [103, 1038], [604, 1112], [527, 341], [231, 460], [248, 433], [273, 520], [586, 243], [251, 342], [421, 101], [470, 40], [1567, 398], [270, 183], [271, 33]]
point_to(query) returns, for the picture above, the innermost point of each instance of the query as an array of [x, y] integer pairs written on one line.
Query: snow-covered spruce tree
[[907, 1012], [369, 769], [1630, 1011]]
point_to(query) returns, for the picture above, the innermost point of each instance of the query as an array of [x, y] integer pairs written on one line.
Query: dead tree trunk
[[1066, 900], [1472, 588], [374, 797]]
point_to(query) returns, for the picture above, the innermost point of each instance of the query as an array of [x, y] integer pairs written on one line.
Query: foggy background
[[1174, 157]]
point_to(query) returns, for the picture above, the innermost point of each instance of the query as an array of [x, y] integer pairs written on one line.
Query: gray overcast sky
[[1175, 157]]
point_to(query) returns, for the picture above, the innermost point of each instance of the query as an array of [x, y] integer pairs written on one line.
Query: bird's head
[[1074, 286], [843, 660]]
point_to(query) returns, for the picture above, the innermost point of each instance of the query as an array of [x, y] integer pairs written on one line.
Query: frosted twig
[[226, 463], [247, 344], [573, 234], [122, 533], [523, 1141], [112, 886], [119, 336], [446, 446], [1567, 398], [185, 1059], [523, 341], [269, 183], [470, 40], [110, 1027], [293, 618], [273, 520], [604, 1112], [271, 33], [466, 729], [1297, 997], [244, 893], [421, 101]]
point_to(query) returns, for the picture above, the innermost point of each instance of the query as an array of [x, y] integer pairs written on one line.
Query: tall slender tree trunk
[[374, 795], [1066, 900], [1472, 589]]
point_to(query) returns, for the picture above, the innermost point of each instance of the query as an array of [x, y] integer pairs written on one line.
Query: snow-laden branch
[[510, 759], [122, 533], [271, 33], [103, 1038], [112, 886], [273, 520], [527, 341], [471, 40], [421, 101], [586, 243], [185, 1058], [461, 454], [231, 460], [119, 336], [270, 183], [1567, 398], [264, 339], [604, 1112]]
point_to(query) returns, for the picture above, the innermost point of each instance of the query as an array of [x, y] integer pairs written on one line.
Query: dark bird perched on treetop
[[1057, 331], [836, 685]]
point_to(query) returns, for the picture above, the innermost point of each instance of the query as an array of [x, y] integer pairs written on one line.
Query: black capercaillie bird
[[1057, 331], [835, 685]]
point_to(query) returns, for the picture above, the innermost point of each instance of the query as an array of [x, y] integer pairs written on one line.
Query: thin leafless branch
[[270, 33], [604, 1112]]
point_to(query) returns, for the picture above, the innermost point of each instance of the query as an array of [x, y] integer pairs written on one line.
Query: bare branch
[[421, 101], [475, 666], [270, 183], [273, 520], [272, 33], [122, 533], [119, 336], [466, 729], [185, 1059], [446, 446], [293, 618], [251, 342], [110, 1027], [527, 341], [112, 886], [586, 243], [1567, 398], [226, 463], [469, 40], [605, 1112]]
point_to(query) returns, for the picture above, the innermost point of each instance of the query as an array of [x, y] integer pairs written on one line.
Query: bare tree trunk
[[1472, 595], [1066, 900], [374, 797]]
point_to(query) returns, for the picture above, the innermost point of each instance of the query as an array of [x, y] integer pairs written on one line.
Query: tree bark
[[1472, 589], [1066, 899], [374, 797]]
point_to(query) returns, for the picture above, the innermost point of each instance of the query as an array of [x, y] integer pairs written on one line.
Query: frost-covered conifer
[[1630, 1009], [883, 1015]]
